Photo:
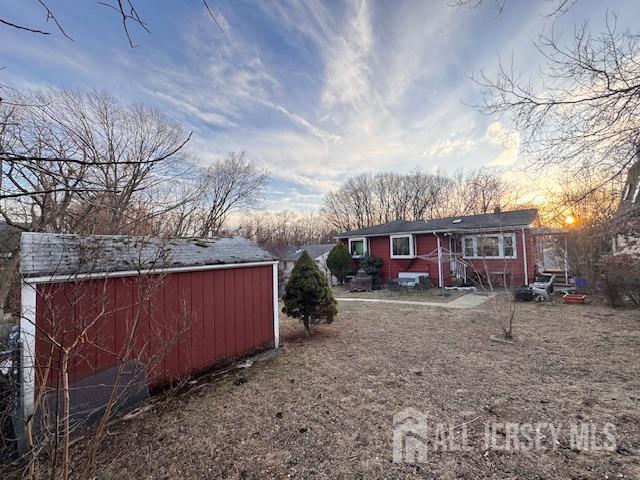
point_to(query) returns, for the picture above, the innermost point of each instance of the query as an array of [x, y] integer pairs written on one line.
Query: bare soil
[[413, 295], [325, 407]]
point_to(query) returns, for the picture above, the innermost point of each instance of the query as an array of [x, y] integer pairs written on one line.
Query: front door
[[452, 252]]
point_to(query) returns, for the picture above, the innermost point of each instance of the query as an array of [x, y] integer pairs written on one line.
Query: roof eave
[[447, 230]]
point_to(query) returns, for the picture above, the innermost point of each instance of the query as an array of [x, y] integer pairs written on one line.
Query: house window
[[402, 246], [490, 246], [469, 247], [507, 246], [357, 247]]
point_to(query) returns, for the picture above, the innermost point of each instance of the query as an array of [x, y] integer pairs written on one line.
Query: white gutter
[[524, 254], [28, 350], [440, 279], [276, 312], [448, 230], [150, 271]]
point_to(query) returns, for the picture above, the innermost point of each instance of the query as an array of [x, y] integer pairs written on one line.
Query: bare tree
[[126, 11], [82, 162], [282, 229], [552, 8], [234, 184], [76, 161], [368, 199], [591, 202], [584, 113]]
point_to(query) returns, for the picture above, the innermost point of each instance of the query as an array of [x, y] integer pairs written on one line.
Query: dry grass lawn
[[324, 408]]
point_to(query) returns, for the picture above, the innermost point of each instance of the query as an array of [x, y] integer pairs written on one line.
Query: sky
[[315, 91]]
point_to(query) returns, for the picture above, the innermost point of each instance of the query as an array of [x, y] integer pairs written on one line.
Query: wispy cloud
[[507, 139], [314, 91]]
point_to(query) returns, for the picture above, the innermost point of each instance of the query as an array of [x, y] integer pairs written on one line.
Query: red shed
[[176, 306]]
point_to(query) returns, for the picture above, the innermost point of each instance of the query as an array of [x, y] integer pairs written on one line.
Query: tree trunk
[[305, 321], [8, 270]]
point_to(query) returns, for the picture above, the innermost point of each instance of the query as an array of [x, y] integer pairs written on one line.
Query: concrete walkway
[[470, 300]]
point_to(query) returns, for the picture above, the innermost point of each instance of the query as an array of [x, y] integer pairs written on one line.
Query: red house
[[172, 307], [500, 244]]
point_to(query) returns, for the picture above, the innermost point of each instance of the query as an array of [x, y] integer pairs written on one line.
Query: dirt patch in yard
[[325, 407], [412, 295]]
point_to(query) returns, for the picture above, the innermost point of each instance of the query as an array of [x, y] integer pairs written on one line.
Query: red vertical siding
[[198, 333], [218, 319], [170, 321], [181, 322], [425, 244]]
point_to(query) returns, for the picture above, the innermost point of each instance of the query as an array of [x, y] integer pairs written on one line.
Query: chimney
[[497, 209]]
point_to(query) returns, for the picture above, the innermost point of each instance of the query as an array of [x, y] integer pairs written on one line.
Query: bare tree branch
[[125, 9], [20, 27]]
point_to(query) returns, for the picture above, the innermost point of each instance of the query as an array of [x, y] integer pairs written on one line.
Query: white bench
[[413, 276]]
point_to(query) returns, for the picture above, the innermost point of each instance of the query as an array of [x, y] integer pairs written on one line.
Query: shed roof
[[62, 254], [315, 251], [484, 221]]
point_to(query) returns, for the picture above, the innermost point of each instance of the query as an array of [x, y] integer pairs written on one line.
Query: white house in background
[[319, 253], [627, 240]]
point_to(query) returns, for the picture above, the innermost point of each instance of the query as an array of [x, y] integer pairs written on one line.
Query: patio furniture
[[543, 286]]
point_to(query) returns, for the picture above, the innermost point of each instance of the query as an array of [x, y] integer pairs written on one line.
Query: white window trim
[[627, 191], [500, 246], [365, 248], [412, 246], [635, 194]]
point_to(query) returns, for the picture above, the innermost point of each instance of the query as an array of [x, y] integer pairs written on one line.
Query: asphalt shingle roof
[[513, 218], [61, 254]]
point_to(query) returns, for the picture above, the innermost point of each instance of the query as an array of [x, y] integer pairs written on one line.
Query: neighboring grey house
[[319, 253], [627, 240]]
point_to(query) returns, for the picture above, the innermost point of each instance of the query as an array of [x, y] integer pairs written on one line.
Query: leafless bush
[[622, 280]]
